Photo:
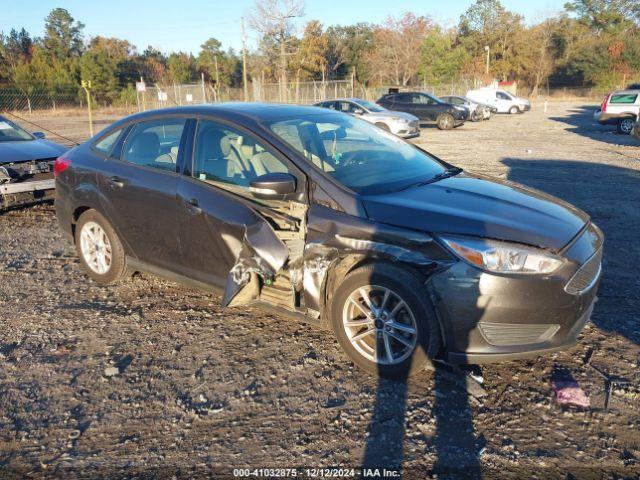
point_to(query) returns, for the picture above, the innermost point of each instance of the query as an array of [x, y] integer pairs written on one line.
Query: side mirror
[[273, 186], [38, 135]]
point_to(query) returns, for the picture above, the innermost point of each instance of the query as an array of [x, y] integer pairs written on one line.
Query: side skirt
[[138, 265]]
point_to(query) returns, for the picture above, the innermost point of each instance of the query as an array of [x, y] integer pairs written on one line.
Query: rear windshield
[[624, 98]]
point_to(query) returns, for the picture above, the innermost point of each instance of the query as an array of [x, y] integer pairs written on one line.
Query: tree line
[[589, 43]]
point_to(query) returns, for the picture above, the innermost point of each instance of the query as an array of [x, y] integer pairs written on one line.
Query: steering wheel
[[350, 158]]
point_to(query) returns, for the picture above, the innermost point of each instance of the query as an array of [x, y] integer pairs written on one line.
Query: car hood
[[392, 114], [478, 205], [22, 151]]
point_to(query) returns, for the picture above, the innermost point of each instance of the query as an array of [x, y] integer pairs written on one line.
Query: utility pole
[[215, 59], [244, 61], [487, 49]]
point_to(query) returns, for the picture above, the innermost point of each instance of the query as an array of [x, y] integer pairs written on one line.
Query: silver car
[[479, 111], [401, 124]]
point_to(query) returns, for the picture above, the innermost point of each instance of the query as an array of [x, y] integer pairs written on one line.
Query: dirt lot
[[199, 389]]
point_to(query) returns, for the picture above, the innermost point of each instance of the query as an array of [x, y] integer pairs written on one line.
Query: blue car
[[26, 165]]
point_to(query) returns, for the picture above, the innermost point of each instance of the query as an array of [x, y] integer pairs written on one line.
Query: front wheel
[[384, 321], [445, 122], [513, 110], [625, 126], [99, 248]]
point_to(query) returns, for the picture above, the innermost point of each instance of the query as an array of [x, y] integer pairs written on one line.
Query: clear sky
[[173, 25]]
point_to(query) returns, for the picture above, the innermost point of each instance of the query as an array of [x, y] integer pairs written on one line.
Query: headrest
[[146, 144], [225, 146]]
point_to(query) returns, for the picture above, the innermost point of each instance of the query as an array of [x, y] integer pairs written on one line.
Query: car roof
[[249, 110], [342, 99]]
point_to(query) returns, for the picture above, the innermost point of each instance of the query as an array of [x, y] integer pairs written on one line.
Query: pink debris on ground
[[570, 393]]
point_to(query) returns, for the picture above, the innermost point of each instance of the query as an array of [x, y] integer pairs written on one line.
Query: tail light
[[603, 107], [60, 165]]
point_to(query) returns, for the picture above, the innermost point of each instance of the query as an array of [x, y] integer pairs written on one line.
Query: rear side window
[[155, 143], [105, 145], [624, 98]]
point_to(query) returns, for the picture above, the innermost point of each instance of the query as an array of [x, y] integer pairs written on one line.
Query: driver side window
[[224, 155], [502, 96]]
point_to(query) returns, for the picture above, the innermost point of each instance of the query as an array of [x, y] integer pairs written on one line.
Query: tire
[[513, 110], [625, 126], [107, 270], [445, 121], [383, 126], [476, 117], [418, 312]]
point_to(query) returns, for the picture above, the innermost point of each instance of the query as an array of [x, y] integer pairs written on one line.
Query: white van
[[504, 101]]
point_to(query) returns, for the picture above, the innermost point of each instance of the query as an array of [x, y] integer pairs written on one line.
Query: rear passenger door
[[227, 236], [140, 189]]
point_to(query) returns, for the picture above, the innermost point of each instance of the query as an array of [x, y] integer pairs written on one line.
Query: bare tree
[[273, 19]]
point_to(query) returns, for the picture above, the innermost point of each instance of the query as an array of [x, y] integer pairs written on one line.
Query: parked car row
[[401, 113]]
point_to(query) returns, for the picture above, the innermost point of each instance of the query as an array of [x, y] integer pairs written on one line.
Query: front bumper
[[26, 193], [489, 317], [406, 130]]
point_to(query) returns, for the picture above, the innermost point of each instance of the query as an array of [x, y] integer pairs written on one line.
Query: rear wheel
[[625, 126], [99, 248], [445, 121], [383, 320]]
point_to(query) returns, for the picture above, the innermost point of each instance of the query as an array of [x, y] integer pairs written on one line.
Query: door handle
[[193, 206], [116, 182]]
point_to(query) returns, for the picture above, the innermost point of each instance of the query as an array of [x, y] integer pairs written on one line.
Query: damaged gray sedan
[[26, 166], [323, 217]]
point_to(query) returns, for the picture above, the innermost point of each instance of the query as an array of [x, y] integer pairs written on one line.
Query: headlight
[[400, 120], [503, 257]]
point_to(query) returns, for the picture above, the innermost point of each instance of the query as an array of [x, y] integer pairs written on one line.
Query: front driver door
[[226, 233], [140, 190]]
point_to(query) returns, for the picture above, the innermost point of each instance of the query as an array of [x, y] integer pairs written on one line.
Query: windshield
[[373, 107], [357, 154], [10, 132]]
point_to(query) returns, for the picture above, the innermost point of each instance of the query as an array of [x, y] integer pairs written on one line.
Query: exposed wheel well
[[76, 215], [340, 269]]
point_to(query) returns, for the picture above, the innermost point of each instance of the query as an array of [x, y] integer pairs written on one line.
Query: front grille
[[502, 334], [586, 275]]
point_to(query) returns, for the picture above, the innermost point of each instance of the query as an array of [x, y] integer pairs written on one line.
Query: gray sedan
[[401, 124]]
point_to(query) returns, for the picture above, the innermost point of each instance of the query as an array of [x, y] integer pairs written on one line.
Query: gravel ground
[[150, 379]]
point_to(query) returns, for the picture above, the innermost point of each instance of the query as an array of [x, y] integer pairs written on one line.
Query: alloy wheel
[[95, 247], [626, 126], [380, 325]]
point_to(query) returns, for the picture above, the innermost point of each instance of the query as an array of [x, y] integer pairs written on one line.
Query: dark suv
[[427, 108], [326, 218]]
